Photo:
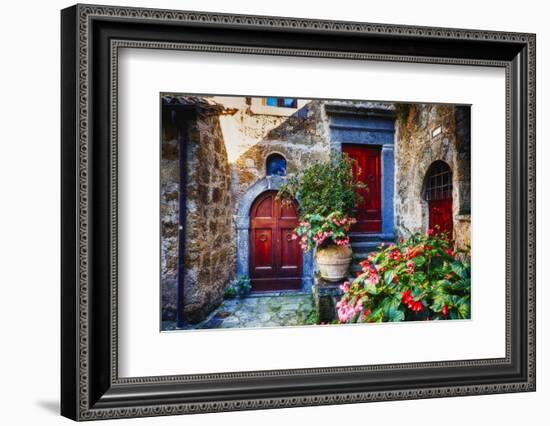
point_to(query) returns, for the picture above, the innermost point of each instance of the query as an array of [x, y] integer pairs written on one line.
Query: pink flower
[[430, 232], [345, 286], [373, 278]]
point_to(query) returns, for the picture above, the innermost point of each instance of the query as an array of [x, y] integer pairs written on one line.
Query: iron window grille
[[439, 182]]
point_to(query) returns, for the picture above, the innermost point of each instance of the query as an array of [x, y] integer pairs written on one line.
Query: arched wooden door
[[275, 257], [438, 193]]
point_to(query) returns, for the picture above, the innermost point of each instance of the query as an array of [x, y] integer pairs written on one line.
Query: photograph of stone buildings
[[281, 211]]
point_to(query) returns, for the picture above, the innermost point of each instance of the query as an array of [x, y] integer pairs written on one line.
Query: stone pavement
[[256, 311]]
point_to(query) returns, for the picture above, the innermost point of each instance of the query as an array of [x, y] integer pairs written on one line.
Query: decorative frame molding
[[91, 36]]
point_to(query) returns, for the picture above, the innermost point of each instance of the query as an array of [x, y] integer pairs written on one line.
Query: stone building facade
[[426, 134], [221, 156]]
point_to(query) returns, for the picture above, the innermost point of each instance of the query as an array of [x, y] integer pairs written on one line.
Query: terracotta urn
[[333, 262]]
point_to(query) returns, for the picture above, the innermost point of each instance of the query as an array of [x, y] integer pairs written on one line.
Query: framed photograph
[[263, 212]]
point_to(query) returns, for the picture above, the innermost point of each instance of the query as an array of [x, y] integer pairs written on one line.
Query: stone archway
[[437, 192], [268, 183]]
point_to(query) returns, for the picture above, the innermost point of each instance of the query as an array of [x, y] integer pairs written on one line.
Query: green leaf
[[377, 315], [371, 288], [419, 277], [463, 309], [419, 261], [390, 307], [459, 269], [389, 275], [396, 315], [400, 268], [439, 301], [461, 285]]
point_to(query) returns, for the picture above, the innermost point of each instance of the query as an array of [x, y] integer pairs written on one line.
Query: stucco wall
[[426, 133]]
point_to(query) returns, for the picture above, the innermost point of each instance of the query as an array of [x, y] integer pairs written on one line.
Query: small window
[[282, 102], [276, 165], [438, 184]]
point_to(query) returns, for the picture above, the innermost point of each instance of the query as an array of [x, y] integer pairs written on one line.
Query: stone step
[[366, 237], [358, 256], [362, 244], [365, 246]]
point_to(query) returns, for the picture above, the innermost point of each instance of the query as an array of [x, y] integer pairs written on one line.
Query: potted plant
[[327, 194]]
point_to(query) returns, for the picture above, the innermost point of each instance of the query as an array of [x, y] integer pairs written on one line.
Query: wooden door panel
[[287, 211], [290, 252], [264, 208], [263, 253], [367, 169], [441, 216], [275, 257]]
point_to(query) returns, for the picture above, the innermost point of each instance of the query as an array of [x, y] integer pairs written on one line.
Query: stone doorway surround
[[242, 221], [372, 124]]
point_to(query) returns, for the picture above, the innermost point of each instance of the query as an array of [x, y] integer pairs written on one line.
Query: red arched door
[[438, 193], [275, 257]]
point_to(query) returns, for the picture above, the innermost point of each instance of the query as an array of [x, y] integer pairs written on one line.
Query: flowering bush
[[328, 194], [324, 187], [421, 278], [315, 230]]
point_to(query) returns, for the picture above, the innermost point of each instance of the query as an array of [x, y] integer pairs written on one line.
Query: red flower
[[365, 265], [445, 310], [413, 305], [430, 232]]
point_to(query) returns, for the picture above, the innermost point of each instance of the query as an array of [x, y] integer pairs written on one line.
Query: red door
[[441, 216], [367, 170], [275, 258]]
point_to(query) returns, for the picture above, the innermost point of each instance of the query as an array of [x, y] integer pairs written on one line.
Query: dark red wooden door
[[275, 258], [441, 216], [367, 170]]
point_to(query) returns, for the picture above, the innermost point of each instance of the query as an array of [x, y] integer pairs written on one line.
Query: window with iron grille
[[438, 184]]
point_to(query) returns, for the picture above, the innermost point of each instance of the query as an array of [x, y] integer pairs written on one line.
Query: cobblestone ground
[[256, 311]]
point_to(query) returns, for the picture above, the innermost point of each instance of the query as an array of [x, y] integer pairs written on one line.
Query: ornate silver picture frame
[[91, 37]]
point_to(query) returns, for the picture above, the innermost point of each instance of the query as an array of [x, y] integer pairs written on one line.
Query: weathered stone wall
[[169, 212], [426, 133], [209, 229], [209, 232], [302, 138]]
